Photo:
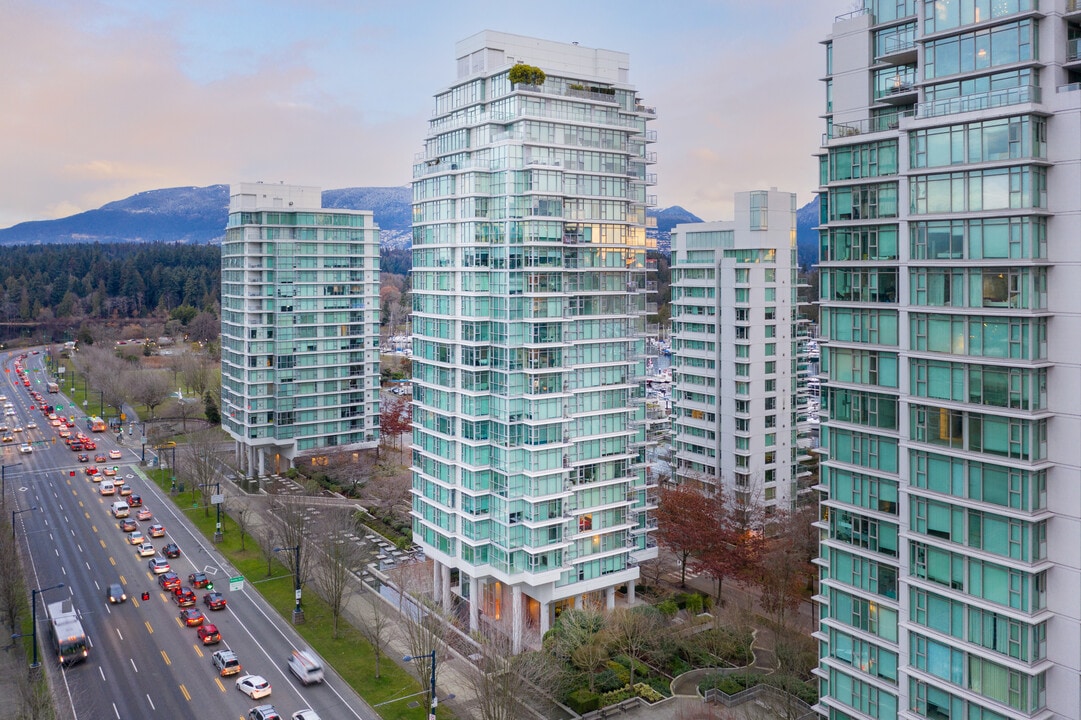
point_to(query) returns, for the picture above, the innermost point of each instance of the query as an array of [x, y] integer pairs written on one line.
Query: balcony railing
[[981, 101], [870, 125]]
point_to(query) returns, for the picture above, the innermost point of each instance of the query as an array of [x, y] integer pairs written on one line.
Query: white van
[[120, 509], [108, 488], [307, 669]]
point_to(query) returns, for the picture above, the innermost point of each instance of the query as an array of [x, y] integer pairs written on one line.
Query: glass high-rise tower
[[300, 327], [951, 213], [529, 300]]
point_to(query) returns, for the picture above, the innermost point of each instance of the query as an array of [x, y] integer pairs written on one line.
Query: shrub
[[730, 684], [616, 696], [621, 671], [526, 74], [647, 693], [694, 604], [660, 685], [606, 681], [582, 701], [640, 668], [668, 607]]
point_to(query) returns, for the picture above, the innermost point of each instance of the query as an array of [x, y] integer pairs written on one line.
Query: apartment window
[[743, 315], [743, 275]]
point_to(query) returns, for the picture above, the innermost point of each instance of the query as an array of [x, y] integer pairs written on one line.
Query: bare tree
[[338, 555], [635, 632], [195, 372], [293, 528], [375, 626], [504, 682], [148, 387], [35, 701], [267, 539], [186, 409], [423, 625], [590, 658], [199, 464], [241, 509]]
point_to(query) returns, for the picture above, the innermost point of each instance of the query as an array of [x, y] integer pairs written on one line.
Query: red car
[[91, 471], [184, 597], [169, 581], [209, 634], [192, 617], [214, 600], [90, 445]]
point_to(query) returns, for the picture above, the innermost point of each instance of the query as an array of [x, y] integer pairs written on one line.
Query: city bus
[[95, 424], [69, 639]]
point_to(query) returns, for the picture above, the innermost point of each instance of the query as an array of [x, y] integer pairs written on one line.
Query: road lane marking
[[221, 686], [94, 528], [112, 561], [149, 629], [165, 657], [102, 542], [187, 695]]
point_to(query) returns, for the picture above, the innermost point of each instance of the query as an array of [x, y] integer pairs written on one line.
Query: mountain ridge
[[198, 215]]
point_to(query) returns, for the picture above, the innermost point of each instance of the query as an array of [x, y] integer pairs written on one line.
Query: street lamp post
[[298, 612], [434, 701], [101, 404], [34, 616], [4, 482], [18, 512]]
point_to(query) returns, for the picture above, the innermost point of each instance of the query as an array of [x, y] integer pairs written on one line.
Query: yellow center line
[[87, 515], [149, 628], [81, 503], [112, 561], [102, 542], [123, 581], [187, 695], [221, 686], [94, 528], [198, 650], [165, 657]]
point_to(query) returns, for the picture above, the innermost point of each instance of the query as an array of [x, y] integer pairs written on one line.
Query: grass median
[[350, 655]]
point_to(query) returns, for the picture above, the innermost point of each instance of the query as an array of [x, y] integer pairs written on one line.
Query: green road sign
[[236, 584]]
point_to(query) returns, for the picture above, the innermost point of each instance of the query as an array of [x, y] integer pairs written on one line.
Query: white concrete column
[[630, 592], [262, 462], [436, 577], [516, 619], [610, 598], [545, 617], [444, 600], [474, 605]]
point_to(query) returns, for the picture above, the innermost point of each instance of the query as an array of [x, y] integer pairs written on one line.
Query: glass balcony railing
[[981, 101]]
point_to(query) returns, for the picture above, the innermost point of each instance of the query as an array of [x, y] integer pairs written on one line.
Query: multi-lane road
[[142, 662]]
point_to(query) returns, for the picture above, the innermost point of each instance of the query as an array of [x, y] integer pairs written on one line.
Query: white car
[[305, 715], [136, 538], [115, 454], [158, 565], [147, 550], [31, 425], [254, 686], [26, 448]]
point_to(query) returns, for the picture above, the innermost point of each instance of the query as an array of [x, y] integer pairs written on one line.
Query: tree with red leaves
[[732, 545], [396, 419], [684, 518]]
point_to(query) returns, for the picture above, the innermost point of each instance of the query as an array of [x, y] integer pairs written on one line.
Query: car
[[264, 712], [91, 470], [171, 550], [192, 617], [16, 429], [199, 580], [214, 601], [184, 597], [254, 686], [8, 438], [26, 448], [144, 512], [31, 425], [83, 458], [116, 593], [135, 500], [128, 525], [156, 530], [158, 565], [75, 446], [226, 662], [208, 634], [125, 490], [110, 472], [147, 550], [115, 454], [89, 445], [136, 538], [99, 458], [57, 423], [70, 423], [305, 714], [169, 580]]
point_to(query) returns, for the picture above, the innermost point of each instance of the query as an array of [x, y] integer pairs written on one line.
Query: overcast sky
[[102, 99]]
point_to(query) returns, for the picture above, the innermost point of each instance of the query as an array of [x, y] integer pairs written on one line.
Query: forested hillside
[[40, 283]]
